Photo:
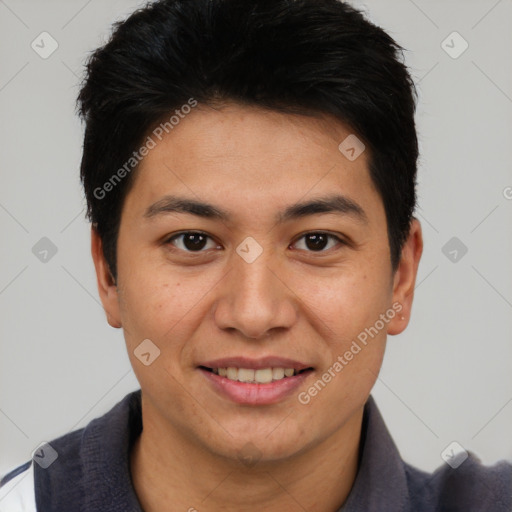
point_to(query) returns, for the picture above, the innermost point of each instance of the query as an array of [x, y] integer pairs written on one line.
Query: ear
[[405, 277], [106, 285]]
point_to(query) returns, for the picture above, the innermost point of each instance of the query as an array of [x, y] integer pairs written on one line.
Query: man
[[250, 172]]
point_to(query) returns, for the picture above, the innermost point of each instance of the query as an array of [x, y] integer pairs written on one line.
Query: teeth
[[245, 375], [277, 373], [232, 373], [261, 376]]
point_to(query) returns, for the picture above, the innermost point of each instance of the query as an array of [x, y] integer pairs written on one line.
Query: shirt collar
[[106, 446], [380, 483]]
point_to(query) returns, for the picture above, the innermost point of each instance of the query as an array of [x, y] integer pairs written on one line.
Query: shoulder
[[86, 469], [17, 493], [471, 487], [53, 465]]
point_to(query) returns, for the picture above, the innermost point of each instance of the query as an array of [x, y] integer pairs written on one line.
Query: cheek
[[347, 310], [152, 307], [164, 305], [346, 300], [346, 307], [161, 311]]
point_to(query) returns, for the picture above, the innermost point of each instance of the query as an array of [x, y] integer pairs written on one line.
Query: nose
[[254, 298]]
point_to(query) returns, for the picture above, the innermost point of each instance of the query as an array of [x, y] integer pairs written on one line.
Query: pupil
[[194, 241], [316, 241]]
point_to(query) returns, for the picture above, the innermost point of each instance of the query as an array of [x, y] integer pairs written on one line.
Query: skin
[[292, 301]]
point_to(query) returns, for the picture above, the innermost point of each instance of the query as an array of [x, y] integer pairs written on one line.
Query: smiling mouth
[[253, 376]]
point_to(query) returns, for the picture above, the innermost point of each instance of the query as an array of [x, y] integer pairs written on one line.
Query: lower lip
[[255, 394]]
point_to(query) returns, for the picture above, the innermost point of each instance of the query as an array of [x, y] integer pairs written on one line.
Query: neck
[[171, 472]]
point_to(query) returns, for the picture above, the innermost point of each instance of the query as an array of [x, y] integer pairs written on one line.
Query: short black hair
[[310, 57]]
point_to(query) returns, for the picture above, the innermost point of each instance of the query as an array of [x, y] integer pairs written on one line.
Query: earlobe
[[106, 285], [405, 278], [113, 323]]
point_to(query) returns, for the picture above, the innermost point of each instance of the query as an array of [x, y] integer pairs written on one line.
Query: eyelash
[[329, 235]]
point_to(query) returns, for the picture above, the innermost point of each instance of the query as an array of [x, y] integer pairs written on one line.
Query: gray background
[[448, 377]]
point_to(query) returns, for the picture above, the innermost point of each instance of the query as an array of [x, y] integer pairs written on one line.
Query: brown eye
[[318, 241], [191, 241]]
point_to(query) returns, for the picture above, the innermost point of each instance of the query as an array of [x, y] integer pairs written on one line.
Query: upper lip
[[256, 364]]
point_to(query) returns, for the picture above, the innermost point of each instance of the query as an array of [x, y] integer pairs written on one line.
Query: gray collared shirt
[[92, 473]]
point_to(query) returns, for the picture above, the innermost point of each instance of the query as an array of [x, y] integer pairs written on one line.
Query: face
[[286, 265]]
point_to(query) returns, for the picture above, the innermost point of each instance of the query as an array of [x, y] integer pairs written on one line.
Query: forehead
[[246, 158]]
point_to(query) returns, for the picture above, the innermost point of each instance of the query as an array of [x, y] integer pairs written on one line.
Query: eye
[[195, 241], [318, 241], [191, 241]]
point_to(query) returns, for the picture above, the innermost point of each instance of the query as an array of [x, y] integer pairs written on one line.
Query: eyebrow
[[336, 203]]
